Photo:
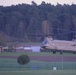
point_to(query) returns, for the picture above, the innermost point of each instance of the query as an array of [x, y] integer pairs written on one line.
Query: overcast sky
[[14, 2]]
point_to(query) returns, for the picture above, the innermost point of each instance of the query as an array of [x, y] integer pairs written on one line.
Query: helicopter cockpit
[[45, 43]]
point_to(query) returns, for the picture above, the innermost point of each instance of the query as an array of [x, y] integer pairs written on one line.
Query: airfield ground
[[39, 72], [41, 63]]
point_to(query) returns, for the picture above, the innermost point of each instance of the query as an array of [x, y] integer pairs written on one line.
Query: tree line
[[26, 22]]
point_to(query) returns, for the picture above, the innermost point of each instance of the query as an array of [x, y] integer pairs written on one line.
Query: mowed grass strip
[[35, 54], [39, 72]]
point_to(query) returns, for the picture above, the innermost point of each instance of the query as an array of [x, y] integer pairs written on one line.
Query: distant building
[[24, 49]]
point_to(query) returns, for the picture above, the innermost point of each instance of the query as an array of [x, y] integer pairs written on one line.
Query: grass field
[[35, 54], [12, 65], [9, 66], [39, 72]]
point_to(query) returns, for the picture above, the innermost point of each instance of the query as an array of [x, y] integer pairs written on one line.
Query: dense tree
[[20, 21]]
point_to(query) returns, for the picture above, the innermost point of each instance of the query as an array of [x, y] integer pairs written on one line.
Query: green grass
[[35, 54], [7, 64], [39, 72]]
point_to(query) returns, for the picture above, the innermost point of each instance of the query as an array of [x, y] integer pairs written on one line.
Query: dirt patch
[[54, 58], [48, 58]]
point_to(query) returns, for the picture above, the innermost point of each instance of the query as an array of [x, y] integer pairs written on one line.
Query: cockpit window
[[45, 42]]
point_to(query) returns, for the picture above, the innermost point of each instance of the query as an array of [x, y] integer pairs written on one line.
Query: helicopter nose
[[43, 46]]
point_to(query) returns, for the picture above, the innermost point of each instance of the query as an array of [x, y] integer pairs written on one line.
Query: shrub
[[23, 59]]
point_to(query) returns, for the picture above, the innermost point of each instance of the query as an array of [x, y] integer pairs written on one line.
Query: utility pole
[[62, 60]]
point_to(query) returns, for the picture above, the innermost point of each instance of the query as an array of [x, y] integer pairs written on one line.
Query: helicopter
[[50, 44]]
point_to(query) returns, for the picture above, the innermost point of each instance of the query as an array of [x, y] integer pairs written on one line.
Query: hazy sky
[[14, 2]]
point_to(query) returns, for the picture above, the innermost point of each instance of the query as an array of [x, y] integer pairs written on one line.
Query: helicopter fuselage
[[50, 44]]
